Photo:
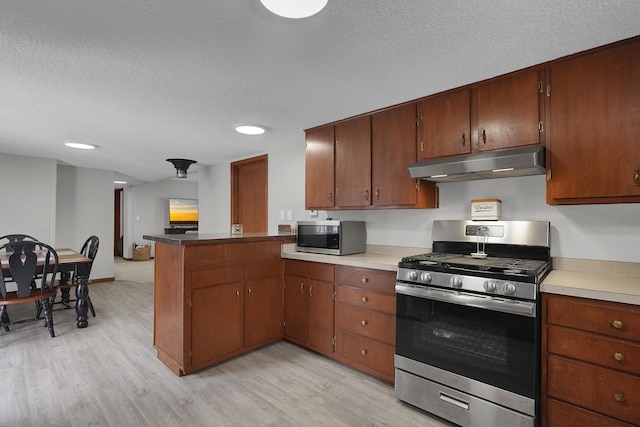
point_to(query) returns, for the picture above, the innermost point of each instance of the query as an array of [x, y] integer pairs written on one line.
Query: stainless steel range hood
[[492, 164]]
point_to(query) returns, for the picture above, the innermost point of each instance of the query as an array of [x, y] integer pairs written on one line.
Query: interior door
[[249, 179]]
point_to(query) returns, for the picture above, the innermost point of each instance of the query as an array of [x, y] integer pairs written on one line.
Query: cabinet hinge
[[334, 296], [548, 90], [421, 145], [540, 86], [417, 185], [548, 174], [333, 342], [540, 126]]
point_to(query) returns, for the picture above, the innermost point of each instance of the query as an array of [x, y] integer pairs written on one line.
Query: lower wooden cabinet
[[590, 362], [365, 320], [213, 302], [309, 305]]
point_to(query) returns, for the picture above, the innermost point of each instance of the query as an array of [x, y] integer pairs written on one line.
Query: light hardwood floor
[[108, 375]]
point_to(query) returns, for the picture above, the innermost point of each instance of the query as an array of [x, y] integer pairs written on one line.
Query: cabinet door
[[295, 308], [508, 110], [263, 310], [595, 125], [393, 149], [353, 162], [444, 125], [321, 304], [217, 321], [319, 164]]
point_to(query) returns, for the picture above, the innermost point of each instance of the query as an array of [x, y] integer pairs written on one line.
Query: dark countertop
[[217, 238]]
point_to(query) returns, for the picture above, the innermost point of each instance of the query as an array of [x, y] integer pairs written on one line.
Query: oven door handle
[[520, 308]]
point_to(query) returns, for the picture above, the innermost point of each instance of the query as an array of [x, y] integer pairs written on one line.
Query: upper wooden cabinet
[[594, 147], [353, 162], [319, 162], [509, 110], [370, 159], [444, 125], [393, 149]]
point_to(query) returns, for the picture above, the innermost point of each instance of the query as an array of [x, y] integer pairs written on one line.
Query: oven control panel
[[520, 290]]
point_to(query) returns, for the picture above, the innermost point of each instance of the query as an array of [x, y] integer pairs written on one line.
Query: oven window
[[488, 346]]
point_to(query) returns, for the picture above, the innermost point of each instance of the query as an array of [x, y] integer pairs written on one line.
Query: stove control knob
[[456, 281], [425, 277], [412, 275], [508, 288], [489, 285]]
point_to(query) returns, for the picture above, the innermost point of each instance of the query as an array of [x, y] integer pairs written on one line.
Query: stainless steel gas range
[[468, 322]]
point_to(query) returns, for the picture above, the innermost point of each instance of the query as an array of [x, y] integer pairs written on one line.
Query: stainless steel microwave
[[331, 237]]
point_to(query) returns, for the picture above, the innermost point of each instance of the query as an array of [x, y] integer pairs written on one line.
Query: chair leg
[[4, 318], [93, 312], [48, 314], [38, 309]]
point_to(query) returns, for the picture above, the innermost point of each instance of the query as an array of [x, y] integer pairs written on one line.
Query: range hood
[[491, 164]]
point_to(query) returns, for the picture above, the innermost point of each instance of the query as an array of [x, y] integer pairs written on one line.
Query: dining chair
[[10, 238], [90, 250], [30, 267]]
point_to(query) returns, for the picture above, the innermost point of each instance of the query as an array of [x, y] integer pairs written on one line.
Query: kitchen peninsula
[[215, 296]]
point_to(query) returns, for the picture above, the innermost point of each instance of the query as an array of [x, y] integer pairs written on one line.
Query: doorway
[[249, 201]]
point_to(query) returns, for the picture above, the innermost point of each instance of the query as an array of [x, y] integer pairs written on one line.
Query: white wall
[[605, 232], [214, 198], [28, 203], [85, 207], [146, 209]]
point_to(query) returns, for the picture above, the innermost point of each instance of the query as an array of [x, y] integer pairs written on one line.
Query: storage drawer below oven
[[461, 408], [366, 354]]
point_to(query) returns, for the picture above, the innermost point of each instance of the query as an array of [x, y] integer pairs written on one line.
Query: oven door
[[491, 340]]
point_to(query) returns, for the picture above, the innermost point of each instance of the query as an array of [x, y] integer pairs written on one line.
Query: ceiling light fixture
[[181, 166], [80, 145], [119, 182], [250, 129], [294, 9]]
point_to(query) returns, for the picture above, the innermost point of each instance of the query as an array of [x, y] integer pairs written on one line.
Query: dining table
[[70, 263]]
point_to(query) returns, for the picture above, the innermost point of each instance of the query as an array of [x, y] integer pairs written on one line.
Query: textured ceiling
[[147, 80]]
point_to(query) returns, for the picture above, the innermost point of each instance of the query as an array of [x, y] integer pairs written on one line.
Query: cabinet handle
[[364, 300], [619, 397], [365, 280], [463, 140], [617, 324], [364, 323], [249, 292], [237, 294], [364, 353], [302, 288], [331, 197], [484, 136], [636, 177], [311, 291], [378, 194], [618, 356], [366, 194]]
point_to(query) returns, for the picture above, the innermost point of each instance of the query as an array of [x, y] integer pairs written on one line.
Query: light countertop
[[602, 280]]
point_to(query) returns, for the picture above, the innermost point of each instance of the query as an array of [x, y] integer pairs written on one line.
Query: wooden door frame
[[117, 220], [235, 166]]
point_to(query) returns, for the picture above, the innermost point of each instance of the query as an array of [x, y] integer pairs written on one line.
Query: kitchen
[[593, 232]]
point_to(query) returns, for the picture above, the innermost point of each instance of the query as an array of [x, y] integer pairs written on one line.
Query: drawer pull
[[364, 323], [365, 280], [302, 288], [619, 397], [617, 324], [364, 353], [618, 356], [364, 300]]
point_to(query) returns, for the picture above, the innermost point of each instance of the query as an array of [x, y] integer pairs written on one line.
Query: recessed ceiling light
[[80, 145], [250, 129], [119, 182], [294, 9]]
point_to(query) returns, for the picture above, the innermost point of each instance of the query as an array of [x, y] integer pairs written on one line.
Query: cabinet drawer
[[602, 317], [263, 269], [375, 280], [368, 323], [599, 389], [296, 268], [319, 271], [560, 414], [610, 352], [366, 352], [366, 299], [217, 276], [252, 250]]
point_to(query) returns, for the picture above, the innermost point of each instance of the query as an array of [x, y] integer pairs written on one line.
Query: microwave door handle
[[519, 308]]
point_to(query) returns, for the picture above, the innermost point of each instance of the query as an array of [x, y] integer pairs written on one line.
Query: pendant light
[[181, 166]]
